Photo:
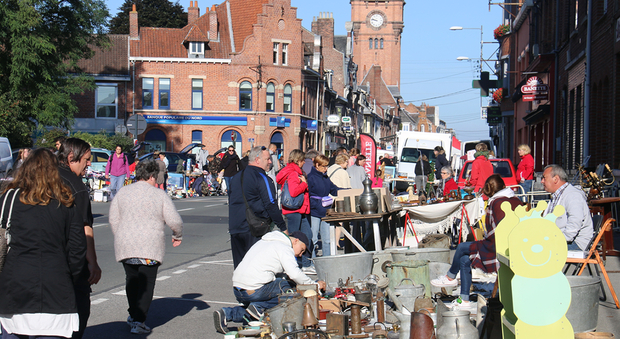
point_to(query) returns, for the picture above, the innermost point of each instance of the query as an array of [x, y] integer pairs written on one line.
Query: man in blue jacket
[[260, 192]]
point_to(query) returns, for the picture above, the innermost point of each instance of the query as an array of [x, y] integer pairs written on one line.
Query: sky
[[430, 71]]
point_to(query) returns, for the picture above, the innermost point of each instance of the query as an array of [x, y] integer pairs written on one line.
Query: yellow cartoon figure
[[541, 292]]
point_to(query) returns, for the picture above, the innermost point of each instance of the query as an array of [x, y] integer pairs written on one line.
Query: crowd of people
[[59, 304]]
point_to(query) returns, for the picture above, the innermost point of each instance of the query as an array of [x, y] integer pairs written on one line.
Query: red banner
[[368, 148]]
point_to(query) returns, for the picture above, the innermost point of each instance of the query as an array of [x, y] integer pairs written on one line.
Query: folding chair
[[593, 257]]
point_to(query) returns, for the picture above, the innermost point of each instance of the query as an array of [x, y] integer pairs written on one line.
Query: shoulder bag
[[290, 202], [5, 237], [259, 226]]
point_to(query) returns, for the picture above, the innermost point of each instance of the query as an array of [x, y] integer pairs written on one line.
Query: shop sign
[[534, 89], [333, 120], [311, 125], [494, 115], [346, 120], [280, 122]]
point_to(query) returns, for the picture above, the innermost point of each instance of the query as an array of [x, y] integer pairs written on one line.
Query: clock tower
[[377, 30]]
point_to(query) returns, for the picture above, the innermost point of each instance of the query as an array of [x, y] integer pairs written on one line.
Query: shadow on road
[[161, 312]]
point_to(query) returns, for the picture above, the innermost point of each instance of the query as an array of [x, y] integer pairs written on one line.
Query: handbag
[[259, 226], [290, 202], [5, 237]]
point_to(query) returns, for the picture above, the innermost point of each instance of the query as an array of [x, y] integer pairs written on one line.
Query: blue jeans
[[227, 181], [461, 262], [573, 246], [527, 188], [116, 183], [320, 226], [299, 222], [263, 299]]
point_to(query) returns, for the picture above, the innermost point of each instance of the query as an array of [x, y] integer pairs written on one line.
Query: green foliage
[[151, 13], [41, 42], [99, 140]]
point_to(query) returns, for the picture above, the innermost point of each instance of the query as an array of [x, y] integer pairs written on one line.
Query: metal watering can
[[407, 294]]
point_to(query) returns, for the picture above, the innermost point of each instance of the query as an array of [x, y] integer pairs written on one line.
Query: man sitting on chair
[[576, 223]]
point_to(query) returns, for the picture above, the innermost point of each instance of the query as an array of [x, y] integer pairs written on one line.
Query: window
[[381, 43], [196, 50], [271, 97], [376, 43], [276, 51], [164, 93], [105, 101], [284, 54], [288, 98], [245, 96], [369, 43], [147, 92], [196, 93]]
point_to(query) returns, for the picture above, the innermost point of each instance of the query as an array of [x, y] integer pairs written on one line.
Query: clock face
[[376, 20]]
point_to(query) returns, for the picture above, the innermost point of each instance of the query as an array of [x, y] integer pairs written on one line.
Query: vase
[[369, 202]]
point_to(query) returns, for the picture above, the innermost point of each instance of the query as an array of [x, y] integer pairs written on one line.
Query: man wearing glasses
[[260, 192], [230, 165]]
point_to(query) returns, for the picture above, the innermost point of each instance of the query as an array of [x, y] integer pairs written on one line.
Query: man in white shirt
[[254, 281]]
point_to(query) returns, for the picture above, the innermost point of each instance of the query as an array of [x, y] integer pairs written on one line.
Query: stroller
[[211, 187]]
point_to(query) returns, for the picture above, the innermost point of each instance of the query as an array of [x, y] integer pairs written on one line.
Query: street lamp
[[482, 42]]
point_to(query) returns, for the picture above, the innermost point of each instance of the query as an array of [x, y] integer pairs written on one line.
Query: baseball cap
[[303, 238]]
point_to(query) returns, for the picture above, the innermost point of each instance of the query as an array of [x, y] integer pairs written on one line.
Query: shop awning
[[541, 112]]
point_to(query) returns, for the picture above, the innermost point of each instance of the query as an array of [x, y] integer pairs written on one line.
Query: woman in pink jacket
[[297, 220]]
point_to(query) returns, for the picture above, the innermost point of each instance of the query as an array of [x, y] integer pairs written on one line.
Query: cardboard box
[[330, 304]]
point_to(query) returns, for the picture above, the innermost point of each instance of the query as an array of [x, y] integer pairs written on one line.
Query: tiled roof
[[244, 15], [172, 42], [111, 61], [340, 43]]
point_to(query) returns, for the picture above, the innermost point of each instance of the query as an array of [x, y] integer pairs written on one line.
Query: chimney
[[193, 12], [324, 26], [213, 25], [133, 23]]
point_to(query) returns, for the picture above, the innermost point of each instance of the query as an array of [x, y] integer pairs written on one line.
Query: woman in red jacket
[[481, 168], [297, 220], [525, 170]]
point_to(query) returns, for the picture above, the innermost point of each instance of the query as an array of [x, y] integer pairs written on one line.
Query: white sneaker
[[444, 281], [472, 307], [140, 328]]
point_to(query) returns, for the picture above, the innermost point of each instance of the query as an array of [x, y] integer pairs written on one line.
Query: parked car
[[99, 158], [174, 159], [6, 158], [503, 167]]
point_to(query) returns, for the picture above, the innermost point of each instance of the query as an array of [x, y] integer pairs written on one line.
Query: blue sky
[[429, 70]]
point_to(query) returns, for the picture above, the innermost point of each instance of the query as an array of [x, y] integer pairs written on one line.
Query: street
[[193, 281], [195, 278]]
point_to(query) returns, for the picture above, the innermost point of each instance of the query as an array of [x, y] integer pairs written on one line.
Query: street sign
[[120, 129], [136, 124], [346, 120], [333, 120]]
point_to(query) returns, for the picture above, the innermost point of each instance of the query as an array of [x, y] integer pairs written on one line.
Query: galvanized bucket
[[292, 310], [583, 310], [417, 270], [356, 266], [430, 254]]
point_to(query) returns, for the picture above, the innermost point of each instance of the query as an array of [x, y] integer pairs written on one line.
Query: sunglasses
[[263, 148]]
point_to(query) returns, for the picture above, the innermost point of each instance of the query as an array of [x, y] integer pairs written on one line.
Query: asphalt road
[[193, 281]]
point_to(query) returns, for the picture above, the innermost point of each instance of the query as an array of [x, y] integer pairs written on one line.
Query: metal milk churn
[[369, 202], [456, 325]]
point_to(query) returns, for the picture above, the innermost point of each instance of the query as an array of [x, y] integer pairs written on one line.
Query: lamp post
[[482, 42]]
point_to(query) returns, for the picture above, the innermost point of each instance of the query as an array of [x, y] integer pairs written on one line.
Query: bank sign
[[534, 89]]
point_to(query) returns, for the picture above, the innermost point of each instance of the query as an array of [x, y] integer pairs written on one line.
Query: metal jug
[[456, 325]]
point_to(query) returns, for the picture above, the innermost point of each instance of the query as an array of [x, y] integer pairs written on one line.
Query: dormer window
[[196, 49]]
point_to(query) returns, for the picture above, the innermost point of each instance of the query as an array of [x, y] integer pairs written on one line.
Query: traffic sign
[[136, 124]]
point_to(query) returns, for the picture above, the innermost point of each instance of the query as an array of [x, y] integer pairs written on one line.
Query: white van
[[6, 158]]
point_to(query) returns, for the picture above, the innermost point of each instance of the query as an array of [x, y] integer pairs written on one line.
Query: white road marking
[[194, 266], [163, 277], [98, 301], [219, 262], [214, 205], [121, 292], [99, 225], [179, 271], [185, 209]]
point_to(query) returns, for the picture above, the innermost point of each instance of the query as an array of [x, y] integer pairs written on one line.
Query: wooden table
[[335, 221], [606, 205]]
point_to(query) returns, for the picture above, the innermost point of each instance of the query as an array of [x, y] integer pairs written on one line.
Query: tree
[[151, 13], [41, 42]]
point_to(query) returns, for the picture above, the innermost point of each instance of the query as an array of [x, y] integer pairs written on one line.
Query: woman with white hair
[[525, 169]]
